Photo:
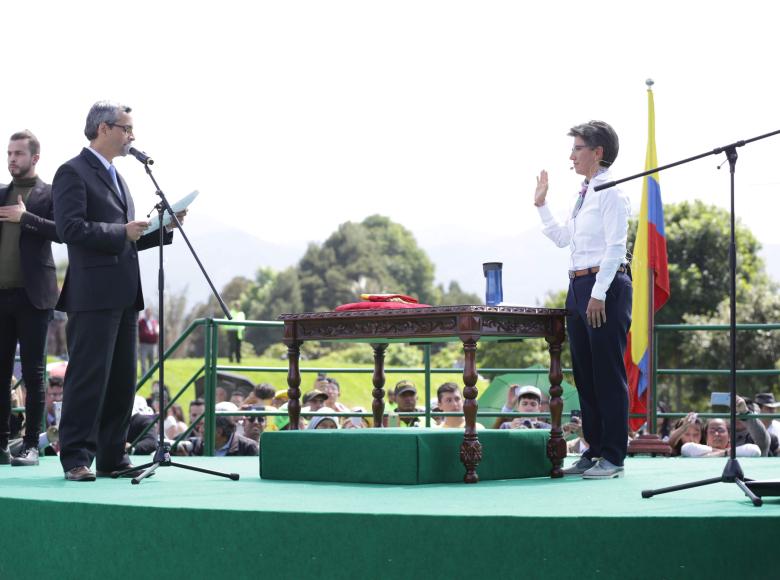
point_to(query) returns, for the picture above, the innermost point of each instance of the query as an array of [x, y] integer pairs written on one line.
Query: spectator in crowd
[[333, 390], [324, 420], [689, 429], [148, 333], [450, 400], [237, 398], [235, 332], [197, 408], [220, 395], [314, 400], [575, 440], [281, 397], [143, 416], [263, 394], [527, 399], [226, 441], [355, 422], [752, 430], [53, 395], [174, 422], [406, 399], [253, 425], [767, 403], [718, 443]]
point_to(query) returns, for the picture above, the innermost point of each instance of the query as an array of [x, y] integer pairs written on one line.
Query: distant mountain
[[533, 266]]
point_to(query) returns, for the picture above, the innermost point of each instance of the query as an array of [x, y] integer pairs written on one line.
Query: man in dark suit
[[28, 289], [95, 217]]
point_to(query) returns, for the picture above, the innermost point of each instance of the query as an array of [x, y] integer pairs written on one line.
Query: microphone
[[571, 168], [141, 156]]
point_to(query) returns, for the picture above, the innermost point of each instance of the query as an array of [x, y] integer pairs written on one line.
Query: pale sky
[[293, 117]]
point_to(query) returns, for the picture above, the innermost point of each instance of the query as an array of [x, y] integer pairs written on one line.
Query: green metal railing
[[210, 368], [661, 328]]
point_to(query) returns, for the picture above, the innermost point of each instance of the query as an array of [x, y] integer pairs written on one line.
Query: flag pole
[[650, 442]]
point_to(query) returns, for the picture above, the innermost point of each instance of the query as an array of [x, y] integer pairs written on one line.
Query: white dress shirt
[[596, 235]]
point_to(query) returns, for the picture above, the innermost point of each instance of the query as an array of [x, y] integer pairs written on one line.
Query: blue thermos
[[494, 290]]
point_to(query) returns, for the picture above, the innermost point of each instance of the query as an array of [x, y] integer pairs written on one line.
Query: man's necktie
[[112, 171]]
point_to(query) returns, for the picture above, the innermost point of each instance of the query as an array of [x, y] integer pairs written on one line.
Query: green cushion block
[[399, 456]]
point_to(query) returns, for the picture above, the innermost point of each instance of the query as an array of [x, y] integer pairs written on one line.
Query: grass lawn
[[355, 387]]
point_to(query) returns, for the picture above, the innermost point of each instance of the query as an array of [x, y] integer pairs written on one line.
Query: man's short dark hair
[[447, 388], [226, 424], [197, 402], [265, 391], [56, 382], [599, 134], [32, 140]]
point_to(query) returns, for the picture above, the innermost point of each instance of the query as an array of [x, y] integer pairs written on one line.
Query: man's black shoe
[[28, 456], [80, 473]]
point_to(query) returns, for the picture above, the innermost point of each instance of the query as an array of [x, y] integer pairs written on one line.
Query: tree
[[232, 291], [271, 294], [375, 256]]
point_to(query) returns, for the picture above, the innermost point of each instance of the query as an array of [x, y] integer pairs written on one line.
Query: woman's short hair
[[599, 134]]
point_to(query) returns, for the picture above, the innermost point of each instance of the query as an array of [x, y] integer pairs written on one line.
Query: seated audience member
[[53, 395], [751, 430], [263, 394], [226, 441], [450, 400], [689, 429], [324, 421], [280, 398], [333, 390], [197, 409], [575, 440], [527, 399], [143, 416], [237, 398], [314, 400], [767, 403], [174, 422], [718, 443], [253, 425], [355, 422], [406, 400]]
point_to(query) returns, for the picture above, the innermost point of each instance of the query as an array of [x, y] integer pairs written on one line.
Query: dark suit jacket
[[91, 216], [37, 232]]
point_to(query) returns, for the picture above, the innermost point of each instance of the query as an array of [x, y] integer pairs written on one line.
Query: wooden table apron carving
[[469, 324]]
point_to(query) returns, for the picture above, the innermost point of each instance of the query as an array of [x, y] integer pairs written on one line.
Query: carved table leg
[[471, 448], [556, 446], [293, 384], [378, 380]]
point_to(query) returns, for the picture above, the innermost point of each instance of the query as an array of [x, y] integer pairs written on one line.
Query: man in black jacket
[[28, 288], [95, 217]]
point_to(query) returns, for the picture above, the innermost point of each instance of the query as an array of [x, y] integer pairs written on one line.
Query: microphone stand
[[162, 456], [732, 473]]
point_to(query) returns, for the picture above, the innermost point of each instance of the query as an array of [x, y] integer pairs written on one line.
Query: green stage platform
[[182, 524]]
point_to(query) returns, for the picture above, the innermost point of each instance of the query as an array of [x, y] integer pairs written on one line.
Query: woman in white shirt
[[599, 298]]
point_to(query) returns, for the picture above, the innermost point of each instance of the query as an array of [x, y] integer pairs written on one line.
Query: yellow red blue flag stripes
[[650, 275]]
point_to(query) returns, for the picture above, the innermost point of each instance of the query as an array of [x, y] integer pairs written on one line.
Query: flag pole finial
[[649, 83]]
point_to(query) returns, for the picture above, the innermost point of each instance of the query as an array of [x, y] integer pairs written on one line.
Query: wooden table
[[469, 324]]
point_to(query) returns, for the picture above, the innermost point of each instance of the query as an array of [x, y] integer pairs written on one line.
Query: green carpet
[[182, 524]]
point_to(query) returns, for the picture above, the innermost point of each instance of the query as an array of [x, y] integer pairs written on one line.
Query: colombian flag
[[651, 277]]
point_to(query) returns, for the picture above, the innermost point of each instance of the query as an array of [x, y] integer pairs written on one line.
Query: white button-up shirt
[[596, 235]]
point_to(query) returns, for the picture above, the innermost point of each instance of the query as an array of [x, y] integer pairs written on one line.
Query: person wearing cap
[[523, 399], [599, 297], [406, 401], [325, 420], [767, 403], [314, 400]]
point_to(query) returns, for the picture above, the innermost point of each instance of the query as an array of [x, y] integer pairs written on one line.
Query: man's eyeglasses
[[254, 419], [717, 430], [580, 148], [128, 129]]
